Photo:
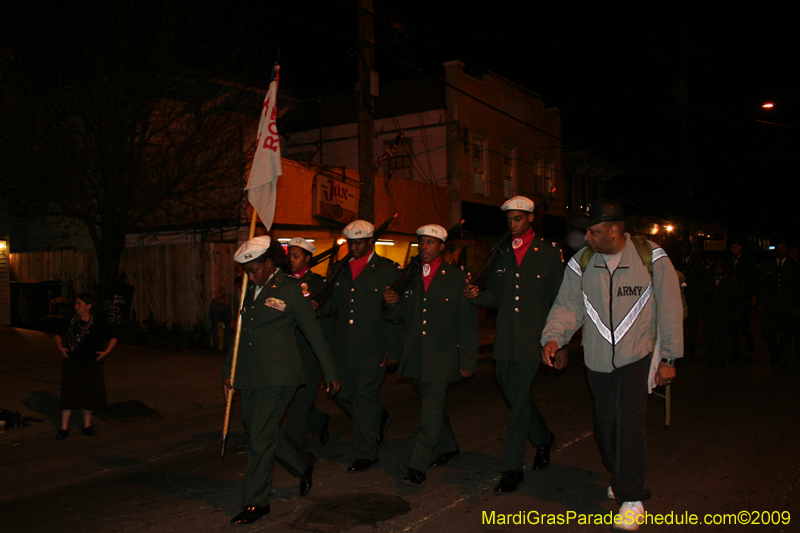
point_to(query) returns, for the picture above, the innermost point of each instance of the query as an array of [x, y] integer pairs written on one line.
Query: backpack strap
[[645, 252], [586, 256]]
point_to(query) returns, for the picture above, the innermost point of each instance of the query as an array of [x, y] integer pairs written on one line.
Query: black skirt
[[83, 386]]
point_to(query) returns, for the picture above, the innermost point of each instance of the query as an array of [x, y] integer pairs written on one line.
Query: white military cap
[[433, 230], [518, 203], [302, 243], [252, 249], [358, 229]]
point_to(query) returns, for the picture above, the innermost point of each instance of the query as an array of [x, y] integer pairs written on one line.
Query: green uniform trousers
[[302, 415], [434, 425], [262, 410], [524, 420], [358, 397]]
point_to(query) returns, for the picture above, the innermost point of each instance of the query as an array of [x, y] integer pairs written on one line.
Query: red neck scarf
[[521, 245], [357, 265], [300, 274], [432, 267]]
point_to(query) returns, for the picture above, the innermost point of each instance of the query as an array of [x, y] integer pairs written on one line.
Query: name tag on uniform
[[274, 303], [501, 271]]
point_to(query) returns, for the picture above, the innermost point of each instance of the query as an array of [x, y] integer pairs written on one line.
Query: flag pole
[[266, 164], [229, 393]]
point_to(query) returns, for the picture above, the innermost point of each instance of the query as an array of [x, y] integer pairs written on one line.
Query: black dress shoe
[[89, 432], [542, 458], [305, 479], [386, 417], [250, 514], [510, 482], [445, 458], [62, 434], [361, 465], [415, 478], [324, 434]]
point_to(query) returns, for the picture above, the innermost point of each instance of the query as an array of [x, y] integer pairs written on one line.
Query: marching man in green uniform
[[441, 346], [302, 415], [524, 285], [269, 370], [360, 346]]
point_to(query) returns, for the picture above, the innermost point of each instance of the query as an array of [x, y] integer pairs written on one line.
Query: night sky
[[618, 74], [670, 93]]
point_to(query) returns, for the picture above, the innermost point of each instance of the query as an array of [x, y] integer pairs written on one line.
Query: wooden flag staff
[[229, 392]]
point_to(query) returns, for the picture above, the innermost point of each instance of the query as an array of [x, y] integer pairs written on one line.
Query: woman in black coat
[[84, 342]]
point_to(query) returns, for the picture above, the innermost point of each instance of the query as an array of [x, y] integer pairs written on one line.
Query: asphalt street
[[731, 449]]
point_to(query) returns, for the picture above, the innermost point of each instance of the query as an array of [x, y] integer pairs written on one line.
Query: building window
[[547, 176], [479, 166], [509, 171], [401, 165], [537, 176]]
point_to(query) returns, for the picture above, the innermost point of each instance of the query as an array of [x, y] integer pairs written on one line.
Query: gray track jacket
[[618, 310]]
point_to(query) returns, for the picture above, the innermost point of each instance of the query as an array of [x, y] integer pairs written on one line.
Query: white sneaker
[[610, 493], [629, 516]]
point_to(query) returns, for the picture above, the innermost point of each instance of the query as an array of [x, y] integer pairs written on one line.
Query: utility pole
[[366, 122]]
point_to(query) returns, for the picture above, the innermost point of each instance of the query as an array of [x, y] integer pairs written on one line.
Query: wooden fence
[[177, 282]]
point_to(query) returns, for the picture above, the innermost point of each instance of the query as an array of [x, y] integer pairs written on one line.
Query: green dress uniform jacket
[[441, 327], [363, 338], [523, 296], [302, 415], [268, 352]]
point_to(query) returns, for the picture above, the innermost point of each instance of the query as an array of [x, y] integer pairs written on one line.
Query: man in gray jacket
[[619, 299]]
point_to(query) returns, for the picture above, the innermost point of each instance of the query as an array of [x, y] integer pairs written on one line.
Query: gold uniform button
[[516, 309], [424, 310], [424, 333], [517, 274], [351, 320], [352, 289], [424, 322], [538, 276], [351, 310], [516, 297], [424, 299], [351, 301], [518, 286]]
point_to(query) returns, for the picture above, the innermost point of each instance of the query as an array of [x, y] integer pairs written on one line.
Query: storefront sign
[[334, 199]]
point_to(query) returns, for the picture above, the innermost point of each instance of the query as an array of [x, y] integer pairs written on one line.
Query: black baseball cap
[[601, 209]]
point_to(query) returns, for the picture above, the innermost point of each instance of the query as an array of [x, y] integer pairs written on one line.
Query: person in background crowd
[[717, 311], [744, 270], [692, 267], [84, 341], [778, 299], [794, 255]]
